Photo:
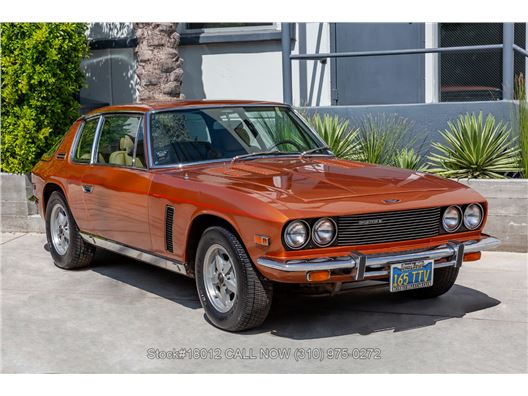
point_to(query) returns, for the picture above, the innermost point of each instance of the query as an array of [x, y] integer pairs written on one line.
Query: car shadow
[[365, 311], [174, 287], [299, 316]]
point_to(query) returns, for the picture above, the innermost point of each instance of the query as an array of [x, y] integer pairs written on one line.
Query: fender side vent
[[169, 221], [61, 156]]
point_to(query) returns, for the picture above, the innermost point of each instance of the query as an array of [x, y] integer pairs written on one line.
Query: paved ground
[[106, 318]]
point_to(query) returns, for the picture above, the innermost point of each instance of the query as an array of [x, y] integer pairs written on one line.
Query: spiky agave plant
[[475, 149], [522, 118], [337, 134], [408, 158], [381, 137]]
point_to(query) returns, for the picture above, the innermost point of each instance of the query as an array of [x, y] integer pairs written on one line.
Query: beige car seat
[[88, 156], [124, 157]]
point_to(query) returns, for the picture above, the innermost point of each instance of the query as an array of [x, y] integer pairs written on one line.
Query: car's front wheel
[[68, 249], [233, 294]]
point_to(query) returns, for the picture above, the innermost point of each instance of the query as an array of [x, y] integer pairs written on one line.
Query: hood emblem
[[391, 201]]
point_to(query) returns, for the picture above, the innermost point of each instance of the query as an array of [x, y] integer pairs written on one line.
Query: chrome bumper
[[369, 266]]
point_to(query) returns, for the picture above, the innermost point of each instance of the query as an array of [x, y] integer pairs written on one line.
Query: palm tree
[[159, 66]]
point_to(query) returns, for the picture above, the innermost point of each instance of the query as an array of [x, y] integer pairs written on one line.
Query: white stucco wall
[[253, 70]]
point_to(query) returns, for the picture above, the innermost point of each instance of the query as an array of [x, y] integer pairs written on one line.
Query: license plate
[[407, 276]]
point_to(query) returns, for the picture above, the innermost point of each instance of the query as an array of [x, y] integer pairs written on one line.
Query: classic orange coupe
[[241, 195]]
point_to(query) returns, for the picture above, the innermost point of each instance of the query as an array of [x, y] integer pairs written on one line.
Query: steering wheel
[[287, 141]]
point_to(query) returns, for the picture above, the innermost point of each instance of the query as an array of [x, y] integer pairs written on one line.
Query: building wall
[[110, 73], [253, 69], [428, 118]]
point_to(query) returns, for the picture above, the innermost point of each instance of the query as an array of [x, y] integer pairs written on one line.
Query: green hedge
[[41, 80]]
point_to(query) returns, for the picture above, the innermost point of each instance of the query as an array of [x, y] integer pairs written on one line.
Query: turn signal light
[[472, 256], [262, 240], [318, 276]]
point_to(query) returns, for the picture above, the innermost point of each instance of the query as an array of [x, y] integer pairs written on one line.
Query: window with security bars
[[475, 76]]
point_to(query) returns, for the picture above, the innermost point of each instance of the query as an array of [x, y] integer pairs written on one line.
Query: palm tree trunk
[[159, 66]]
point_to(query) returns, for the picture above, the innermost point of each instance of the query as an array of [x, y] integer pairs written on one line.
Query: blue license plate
[[407, 276]]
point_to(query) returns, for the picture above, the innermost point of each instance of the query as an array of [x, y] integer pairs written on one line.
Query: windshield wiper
[[315, 150], [258, 153]]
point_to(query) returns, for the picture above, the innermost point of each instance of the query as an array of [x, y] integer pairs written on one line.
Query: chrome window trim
[[180, 165], [78, 137], [100, 126], [96, 140]]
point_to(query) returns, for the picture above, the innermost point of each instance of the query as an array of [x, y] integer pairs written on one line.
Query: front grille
[[372, 228]]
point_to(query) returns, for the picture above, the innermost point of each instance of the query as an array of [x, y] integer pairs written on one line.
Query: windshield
[[183, 136]]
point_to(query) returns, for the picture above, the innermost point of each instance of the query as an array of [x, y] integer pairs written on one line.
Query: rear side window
[[117, 143], [83, 151]]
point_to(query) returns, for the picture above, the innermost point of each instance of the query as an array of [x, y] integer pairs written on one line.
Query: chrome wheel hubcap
[[220, 278], [60, 229]]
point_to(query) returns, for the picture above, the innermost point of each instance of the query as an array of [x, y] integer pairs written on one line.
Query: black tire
[[78, 253], [443, 280], [254, 293]]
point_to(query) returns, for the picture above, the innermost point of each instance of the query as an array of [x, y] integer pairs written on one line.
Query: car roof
[[178, 104]]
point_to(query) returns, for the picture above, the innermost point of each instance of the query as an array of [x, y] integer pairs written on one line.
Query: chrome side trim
[[454, 251], [157, 261]]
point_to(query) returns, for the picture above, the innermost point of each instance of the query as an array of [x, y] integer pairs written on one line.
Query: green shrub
[[475, 149], [381, 137], [337, 134], [522, 117], [41, 80], [408, 158]]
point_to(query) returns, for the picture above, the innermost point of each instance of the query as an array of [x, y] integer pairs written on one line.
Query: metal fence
[[506, 50]]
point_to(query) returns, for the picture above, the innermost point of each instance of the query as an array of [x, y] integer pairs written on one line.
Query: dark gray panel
[[428, 118], [379, 79]]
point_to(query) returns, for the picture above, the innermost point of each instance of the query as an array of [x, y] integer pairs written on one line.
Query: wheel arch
[[197, 227], [49, 188]]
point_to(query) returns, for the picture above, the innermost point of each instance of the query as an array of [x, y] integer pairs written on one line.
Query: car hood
[[315, 182]]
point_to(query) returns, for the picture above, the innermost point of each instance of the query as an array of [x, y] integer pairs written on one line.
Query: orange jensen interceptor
[[241, 195]]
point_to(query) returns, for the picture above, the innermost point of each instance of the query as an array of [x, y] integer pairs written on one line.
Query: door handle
[[87, 188]]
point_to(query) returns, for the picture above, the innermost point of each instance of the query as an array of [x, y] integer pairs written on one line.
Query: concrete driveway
[[124, 316]]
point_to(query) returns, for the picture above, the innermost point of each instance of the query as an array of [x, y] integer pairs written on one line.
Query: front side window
[[83, 151], [183, 136], [118, 140]]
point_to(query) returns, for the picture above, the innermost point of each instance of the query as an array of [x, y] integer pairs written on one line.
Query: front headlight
[[324, 232], [451, 219], [473, 216], [296, 234]]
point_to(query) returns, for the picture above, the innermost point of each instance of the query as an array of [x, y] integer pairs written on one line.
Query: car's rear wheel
[[233, 294], [68, 249], [443, 281]]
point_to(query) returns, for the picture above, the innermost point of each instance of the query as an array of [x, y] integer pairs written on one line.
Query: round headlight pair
[[452, 218], [473, 216], [297, 233]]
